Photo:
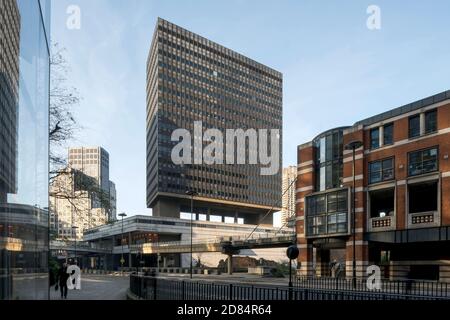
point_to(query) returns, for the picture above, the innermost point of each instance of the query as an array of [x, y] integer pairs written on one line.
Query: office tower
[[9, 95], [190, 78], [93, 162], [402, 192], [288, 198], [84, 197]]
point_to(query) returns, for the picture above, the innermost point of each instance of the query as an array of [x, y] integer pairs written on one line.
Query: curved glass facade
[[329, 159], [24, 110]]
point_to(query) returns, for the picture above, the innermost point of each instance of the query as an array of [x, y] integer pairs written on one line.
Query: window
[[431, 121], [423, 161], [414, 126], [374, 138], [381, 170], [327, 213], [388, 134]]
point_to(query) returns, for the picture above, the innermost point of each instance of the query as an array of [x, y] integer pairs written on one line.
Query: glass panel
[[332, 228], [414, 126], [320, 204], [342, 227], [329, 148], [329, 176], [388, 169], [374, 138], [322, 150], [24, 102], [332, 218], [342, 217], [375, 172], [431, 121], [332, 202], [388, 134], [322, 179], [423, 161]]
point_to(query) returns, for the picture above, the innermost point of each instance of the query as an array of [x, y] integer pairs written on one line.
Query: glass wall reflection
[[24, 103]]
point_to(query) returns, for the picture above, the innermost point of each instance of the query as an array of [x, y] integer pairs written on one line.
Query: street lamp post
[[292, 253], [74, 228], [353, 145], [122, 260], [192, 194]]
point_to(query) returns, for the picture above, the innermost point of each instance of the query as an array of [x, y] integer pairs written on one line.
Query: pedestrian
[[333, 268], [62, 278]]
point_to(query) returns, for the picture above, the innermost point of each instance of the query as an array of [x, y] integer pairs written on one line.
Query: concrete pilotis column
[[230, 264]]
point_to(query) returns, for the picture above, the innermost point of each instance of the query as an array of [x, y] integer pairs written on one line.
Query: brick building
[[402, 194]]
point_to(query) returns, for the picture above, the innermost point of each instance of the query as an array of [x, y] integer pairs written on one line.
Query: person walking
[[62, 278]]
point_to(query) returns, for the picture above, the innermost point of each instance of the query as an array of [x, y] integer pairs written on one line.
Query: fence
[[152, 288], [405, 287]]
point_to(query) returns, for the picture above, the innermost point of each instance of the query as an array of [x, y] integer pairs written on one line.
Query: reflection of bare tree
[[78, 189], [63, 99]]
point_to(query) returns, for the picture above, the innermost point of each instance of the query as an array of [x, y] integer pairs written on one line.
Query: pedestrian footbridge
[[221, 244]]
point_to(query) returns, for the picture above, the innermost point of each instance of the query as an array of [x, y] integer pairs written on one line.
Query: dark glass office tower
[[24, 110], [190, 78]]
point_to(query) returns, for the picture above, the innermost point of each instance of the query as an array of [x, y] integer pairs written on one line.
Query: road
[[97, 287]]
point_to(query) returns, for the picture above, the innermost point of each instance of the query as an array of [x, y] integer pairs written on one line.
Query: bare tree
[[65, 183]]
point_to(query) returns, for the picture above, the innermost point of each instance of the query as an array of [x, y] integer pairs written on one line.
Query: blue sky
[[336, 71]]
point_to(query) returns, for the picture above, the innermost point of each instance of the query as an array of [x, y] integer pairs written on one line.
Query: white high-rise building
[[288, 199], [93, 162], [73, 203]]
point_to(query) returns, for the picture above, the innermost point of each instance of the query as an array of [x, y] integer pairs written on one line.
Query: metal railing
[[406, 287], [153, 288]]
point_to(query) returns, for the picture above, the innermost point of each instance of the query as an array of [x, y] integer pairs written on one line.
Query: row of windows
[[84, 162], [235, 118], [81, 156], [85, 150], [268, 103], [223, 52], [430, 123], [209, 192], [387, 138], [415, 129], [419, 162], [218, 75], [211, 91]]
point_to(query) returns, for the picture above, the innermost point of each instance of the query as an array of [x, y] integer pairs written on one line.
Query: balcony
[[381, 209], [382, 223], [424, 219]]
